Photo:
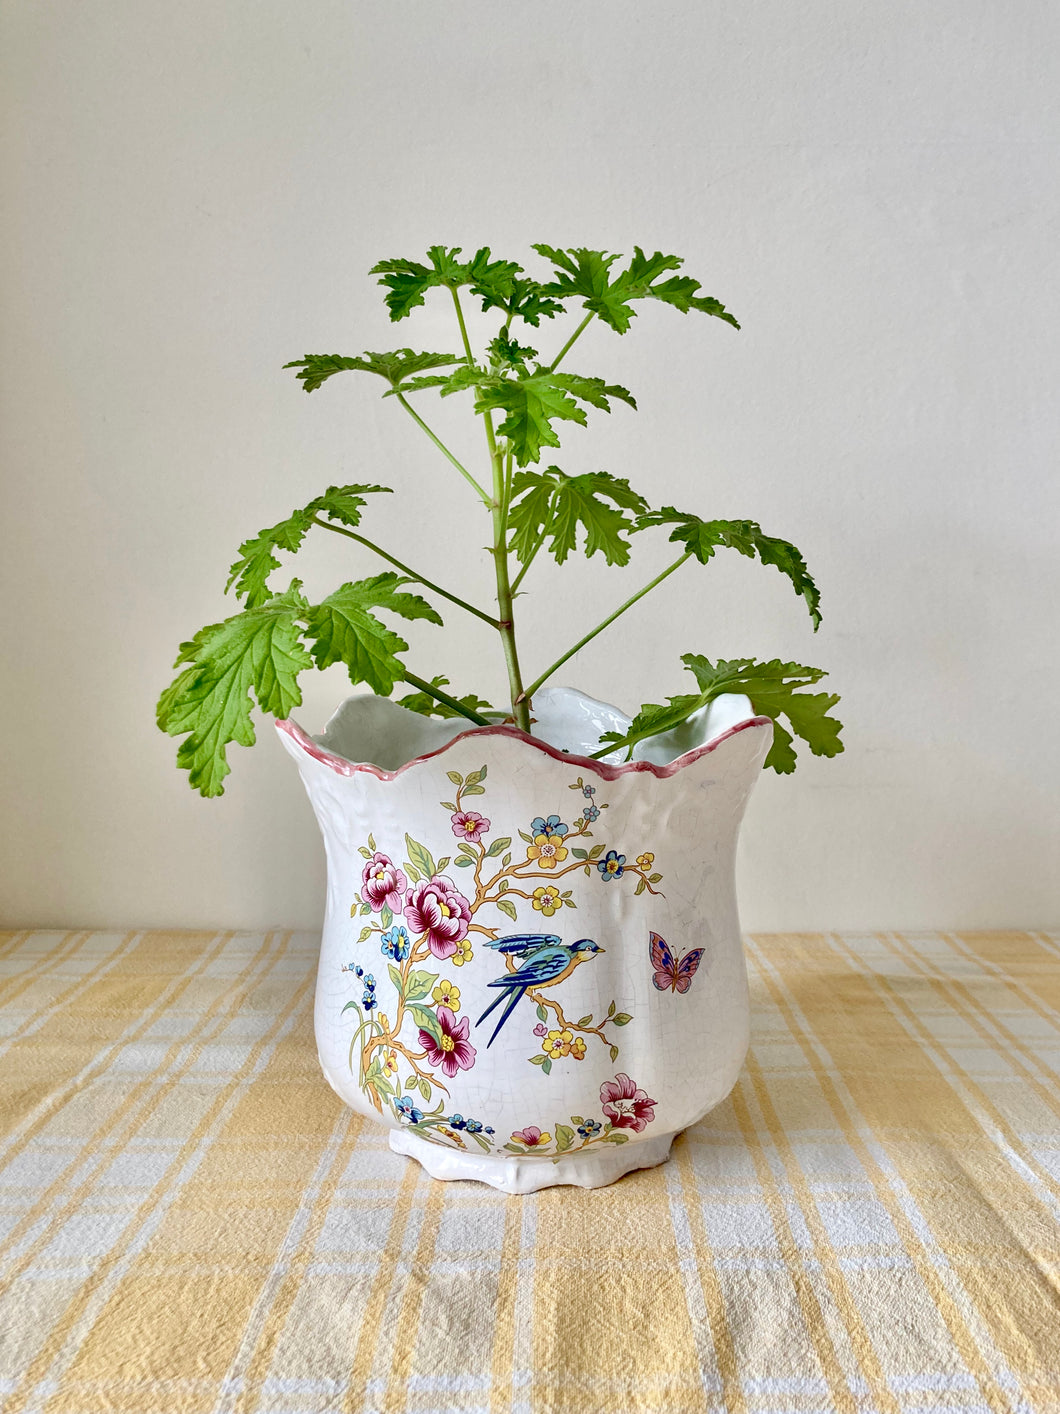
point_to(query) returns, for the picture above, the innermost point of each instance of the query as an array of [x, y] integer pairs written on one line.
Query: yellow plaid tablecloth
[[192, 1222]]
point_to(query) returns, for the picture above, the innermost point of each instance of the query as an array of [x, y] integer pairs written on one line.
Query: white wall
[[194, 194]]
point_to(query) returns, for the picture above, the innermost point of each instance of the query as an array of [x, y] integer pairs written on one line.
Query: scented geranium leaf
[[775, 690], [507, 353], [407, 281], [587, 274], [522, 299], [530, 406], [398, 367], [702, 537], [257, 558], [594, 390], [258, 651], [557, 505], [429, 706], [533, 400], [343, 629]]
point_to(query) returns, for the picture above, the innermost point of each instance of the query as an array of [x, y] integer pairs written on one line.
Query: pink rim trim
[[342, 767]]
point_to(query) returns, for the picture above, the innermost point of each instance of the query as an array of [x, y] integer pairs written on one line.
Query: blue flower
[[588, 791], [488, 1129], [407, 1110], [396, 943], [549, 827], [610, 866], [591, 812], [369, 980], [474, 1126], [369, 1000], [457, 1121], [359, 971], [588, 1128]]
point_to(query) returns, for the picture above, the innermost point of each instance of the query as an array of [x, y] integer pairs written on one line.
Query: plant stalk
[[483, 495], [441, 696], [498, 511], [419, 578], [529, 692], [583, 325]]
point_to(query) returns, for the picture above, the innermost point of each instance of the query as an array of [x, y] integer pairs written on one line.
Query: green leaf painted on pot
[[506, 906], [449, 805], [564, 1137], [395, 977], [614, 1053], [596, 850], [365, 933], [534, 1060], [542, 1014], [474, 777], [474, 790], [611, 1009], [419, 984], [442, 863], [456, 778], [421, 857], [425, 1090], [385, 917], [546, 1065], [580, 853], [426, 1020], [350, 1005], [498, 846], [616, 1137], [622, 1018], [463, 862], [584, 1021]]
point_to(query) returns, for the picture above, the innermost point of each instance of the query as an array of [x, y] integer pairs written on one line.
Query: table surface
[[192, 1221]]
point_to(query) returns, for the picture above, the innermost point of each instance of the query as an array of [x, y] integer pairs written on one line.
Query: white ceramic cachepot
[[531, 967]]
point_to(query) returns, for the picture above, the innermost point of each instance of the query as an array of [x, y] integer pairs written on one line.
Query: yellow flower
[[390, 1064], [577, 1049], [548, 850], [447, 994], [462, 954], [557, 1043], [645, 860], [546, 900]]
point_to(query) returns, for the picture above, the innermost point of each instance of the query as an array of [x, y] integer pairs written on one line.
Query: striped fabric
[[192, 1222]]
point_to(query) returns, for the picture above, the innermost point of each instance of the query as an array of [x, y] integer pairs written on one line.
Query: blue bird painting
[[543, 961]]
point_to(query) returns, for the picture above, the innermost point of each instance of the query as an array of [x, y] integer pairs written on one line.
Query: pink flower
[[626, 1106], [539, 1029], [469, 825], [455, 1052], [531, 1136], [433, 906], [383, 883]]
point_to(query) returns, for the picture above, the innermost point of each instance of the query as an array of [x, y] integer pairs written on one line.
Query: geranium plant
[[520, 397]]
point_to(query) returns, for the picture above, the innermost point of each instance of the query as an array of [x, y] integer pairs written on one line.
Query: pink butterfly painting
[[669, 972]]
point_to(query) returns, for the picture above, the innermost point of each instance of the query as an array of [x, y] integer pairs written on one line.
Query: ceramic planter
[[531, 967]]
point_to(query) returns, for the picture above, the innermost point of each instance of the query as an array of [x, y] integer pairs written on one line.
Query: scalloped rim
[[342, 767]]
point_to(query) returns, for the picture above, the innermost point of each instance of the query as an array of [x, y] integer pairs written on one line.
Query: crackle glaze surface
[[531, 965]]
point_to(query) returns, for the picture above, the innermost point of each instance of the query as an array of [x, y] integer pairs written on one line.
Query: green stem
[[583, 325], [483, 495], [441, 696], [412, 574], [520, 699], [529, 692], [498, 510]]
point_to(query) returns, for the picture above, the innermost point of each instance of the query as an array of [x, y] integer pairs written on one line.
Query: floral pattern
[[452, 1051], [419, 915], [382, 883], [437, 910]]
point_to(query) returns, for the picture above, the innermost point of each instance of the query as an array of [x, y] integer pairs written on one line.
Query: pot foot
[[514, 1173]]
